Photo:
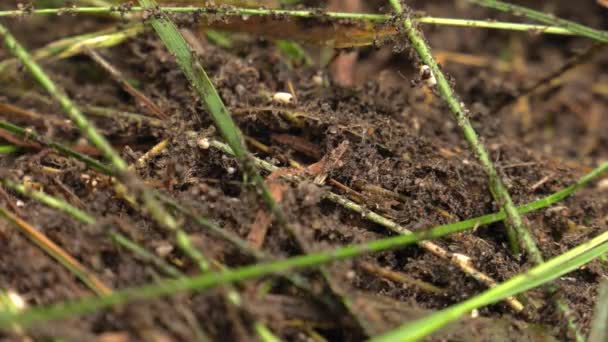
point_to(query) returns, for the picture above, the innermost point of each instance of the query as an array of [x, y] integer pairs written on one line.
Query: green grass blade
[[87, 128], [307, 14], [514, 224], [153, 206], [517, 232], [599, 327], [175, 42], [199, 80], [537, 276], [574, 27], [8, 149], [265, 334], [32, 135], [206, 281], [556, 267]]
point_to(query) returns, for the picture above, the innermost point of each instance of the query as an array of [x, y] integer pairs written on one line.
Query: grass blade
[[574, 27], [199, 80], [517, 232], [537, 276], [154, 208], [71, 110], [599, 327], [489, 24]]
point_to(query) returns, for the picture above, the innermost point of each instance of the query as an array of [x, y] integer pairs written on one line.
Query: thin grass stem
[[207, 93], [537, 276], [599, 326], [574, 27], [71, 110], [85, 218], [30, 134], [154, 208], [517, 232], [488, 24], [499, 192]]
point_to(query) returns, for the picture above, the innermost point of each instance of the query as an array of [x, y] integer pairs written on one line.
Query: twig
[[56, 252], [11, 110], [399, 277], [109, 113], [118, 77]]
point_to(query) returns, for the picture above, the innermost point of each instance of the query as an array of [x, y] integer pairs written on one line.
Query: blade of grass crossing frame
[[517, 231], [195, 73], [154, 208], [599, 327], [198, 78], [87, 128], [235, 11], [537, 276], [574, 27]]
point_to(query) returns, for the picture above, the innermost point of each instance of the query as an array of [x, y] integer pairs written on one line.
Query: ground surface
[[400, 139]]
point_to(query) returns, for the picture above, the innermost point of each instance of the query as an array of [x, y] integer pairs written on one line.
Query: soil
[[401, 139]]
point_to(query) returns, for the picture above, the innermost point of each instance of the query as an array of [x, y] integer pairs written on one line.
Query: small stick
[[399, 277], [10, 203], [117, 76], [9, 109], [153, 152], [67, 192], [57, 253]]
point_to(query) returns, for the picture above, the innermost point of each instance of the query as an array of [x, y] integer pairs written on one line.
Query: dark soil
[[401, 139]]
